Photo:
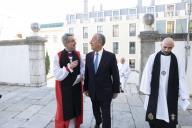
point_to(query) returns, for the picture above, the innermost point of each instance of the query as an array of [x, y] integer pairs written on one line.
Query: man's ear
[[173, 46]]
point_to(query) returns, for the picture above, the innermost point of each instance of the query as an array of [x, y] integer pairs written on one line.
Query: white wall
[[14, 65], [189, 72]]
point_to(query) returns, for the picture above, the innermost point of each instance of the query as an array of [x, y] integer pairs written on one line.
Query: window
[[160, 26], [115, 13], [131, 47], [71, 19], [99, 17], [108, 13], [100, 29], [132, 63], [151, 10], [132, 12], [71, 30], [181, 25], [160, 8], [170, 26], [115, 30], [132, 29], [123, 11], [92, 14], [100, 14], [170, 10], [189, 9], [115, 47], [116, 16], [85, 48], [85, 32]]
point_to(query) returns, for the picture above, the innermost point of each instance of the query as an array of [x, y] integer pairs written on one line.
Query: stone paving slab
[[31, 107], [13, 123], [5, 116], [122, 120], [138, 114], [37, 121], [29, 112]]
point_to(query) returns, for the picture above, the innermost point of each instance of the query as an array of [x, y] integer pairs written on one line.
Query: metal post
[[187, 45]]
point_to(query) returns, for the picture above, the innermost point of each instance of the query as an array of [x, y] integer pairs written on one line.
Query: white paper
[[183, 104], [78, 79]]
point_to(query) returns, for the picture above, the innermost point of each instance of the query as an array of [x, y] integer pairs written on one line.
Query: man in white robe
[[124, 72], [162, 91]]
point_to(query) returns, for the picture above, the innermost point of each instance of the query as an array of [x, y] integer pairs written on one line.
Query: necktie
[[96, 62]]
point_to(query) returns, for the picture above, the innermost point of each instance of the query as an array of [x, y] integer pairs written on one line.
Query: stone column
[[37, 60], [148, 39]]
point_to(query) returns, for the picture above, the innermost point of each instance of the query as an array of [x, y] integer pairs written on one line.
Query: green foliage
[[47, 63]]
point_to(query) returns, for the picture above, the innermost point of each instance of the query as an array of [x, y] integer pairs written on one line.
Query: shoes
[[122, 91], [0, 95], [97, 126]]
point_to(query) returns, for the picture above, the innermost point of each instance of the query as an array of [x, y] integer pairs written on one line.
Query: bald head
[[122, 60], [168, 41], [167, 45]]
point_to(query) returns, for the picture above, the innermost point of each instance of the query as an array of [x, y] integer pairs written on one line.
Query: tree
[[47, 63]]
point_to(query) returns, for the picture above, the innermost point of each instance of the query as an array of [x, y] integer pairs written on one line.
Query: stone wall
[[23, 62]]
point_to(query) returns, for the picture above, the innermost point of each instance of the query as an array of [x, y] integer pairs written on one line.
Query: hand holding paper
[[183, 103], [78, 79]]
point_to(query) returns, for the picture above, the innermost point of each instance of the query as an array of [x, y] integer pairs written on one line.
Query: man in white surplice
[[124, 72], [161, 112]]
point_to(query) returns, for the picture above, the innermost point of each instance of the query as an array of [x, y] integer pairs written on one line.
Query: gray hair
[[65, 37], [101, 38]]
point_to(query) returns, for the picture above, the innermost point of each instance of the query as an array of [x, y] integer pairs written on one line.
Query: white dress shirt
[[99, 56]]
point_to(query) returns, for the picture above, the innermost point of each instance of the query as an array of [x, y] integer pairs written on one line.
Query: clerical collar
[[68, 50], [162, 53]]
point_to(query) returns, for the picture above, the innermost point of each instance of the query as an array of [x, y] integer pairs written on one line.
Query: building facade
[[121, 28]]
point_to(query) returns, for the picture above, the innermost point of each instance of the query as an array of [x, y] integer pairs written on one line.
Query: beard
[[166, 53]]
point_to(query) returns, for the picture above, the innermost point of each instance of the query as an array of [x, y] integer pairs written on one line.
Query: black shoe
[[97, 126], [0, 95]]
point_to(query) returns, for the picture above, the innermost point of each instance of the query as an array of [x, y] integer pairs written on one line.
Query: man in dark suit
[[101, 81]]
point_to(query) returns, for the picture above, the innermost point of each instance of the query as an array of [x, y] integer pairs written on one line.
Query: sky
[[39, 10], [19, 14], [52, 9]]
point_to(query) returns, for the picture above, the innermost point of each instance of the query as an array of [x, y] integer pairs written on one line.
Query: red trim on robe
[[59, 120]]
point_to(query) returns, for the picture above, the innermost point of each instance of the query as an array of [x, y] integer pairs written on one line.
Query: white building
[[121, 28]]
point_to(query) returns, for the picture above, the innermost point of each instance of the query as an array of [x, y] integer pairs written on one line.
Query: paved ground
[[29, 107]]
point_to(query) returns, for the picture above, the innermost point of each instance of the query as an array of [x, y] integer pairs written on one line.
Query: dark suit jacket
[[106, 81]]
